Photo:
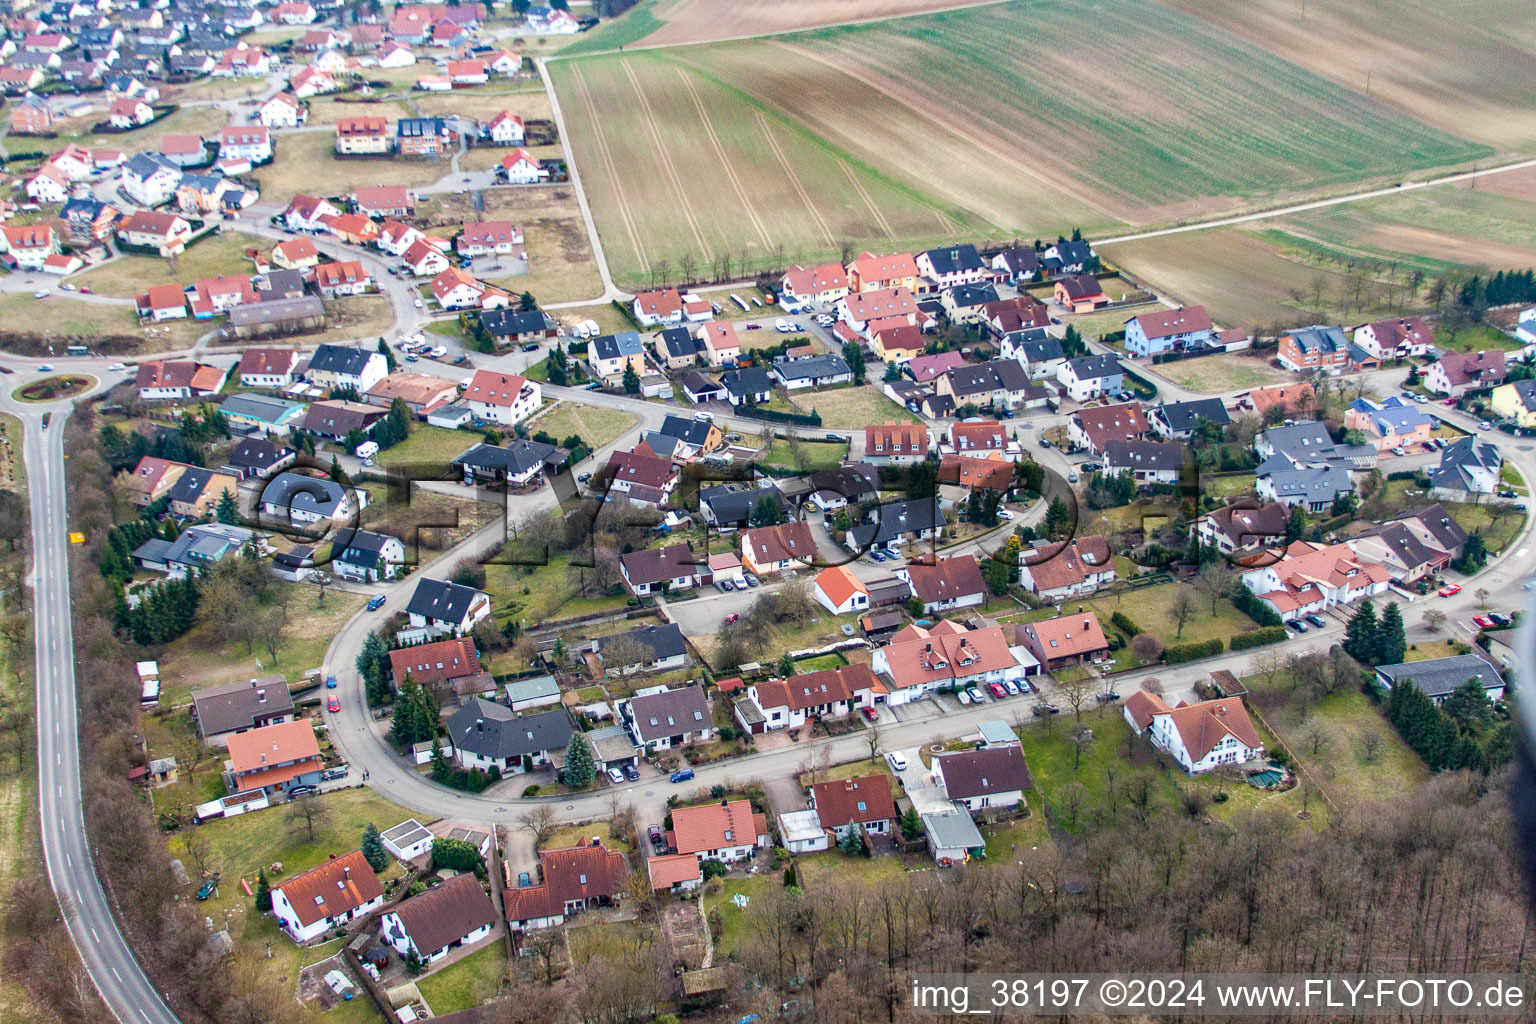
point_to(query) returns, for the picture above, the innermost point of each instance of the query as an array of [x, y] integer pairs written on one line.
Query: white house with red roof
[[721, 343], [1395, 338], [659, 307], [480, 238], [812, 286], [520, 168], [1311, 576], [726, 831], [311, 81], [245, 142], [790, 703], [876, 273], [506, 129], [29, 245], [502, 397], [424, 259], [468, 72], [295, 12], [130, 112], [921, 659], [346, 277], [840, 591], [455, 289], [48, 185], [303, 212], [282, 110], [214, 295], [395, 237], [342, 889], [1201, 737]]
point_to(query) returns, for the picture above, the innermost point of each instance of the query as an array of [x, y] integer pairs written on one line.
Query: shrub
[[712, 869], [531, 791], [1190, 652], [1123, 623], [1245, 601], [1257, 638]]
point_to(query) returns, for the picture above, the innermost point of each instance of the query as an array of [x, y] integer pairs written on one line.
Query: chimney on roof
[[261, 696], [1085, 623]]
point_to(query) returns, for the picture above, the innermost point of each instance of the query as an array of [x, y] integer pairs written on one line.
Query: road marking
[[94, 935], [119, 977]]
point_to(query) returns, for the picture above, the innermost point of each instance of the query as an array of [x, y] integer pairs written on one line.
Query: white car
[[438, 352], [896, 761], [117, 367], [41, 293], [615, 776], [417, 303], [66, 287], [1003, 513], [783, 326]]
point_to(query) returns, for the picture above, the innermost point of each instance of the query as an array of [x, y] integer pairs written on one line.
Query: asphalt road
[[66, 847]]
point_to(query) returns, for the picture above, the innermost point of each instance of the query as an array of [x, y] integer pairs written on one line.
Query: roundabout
[[55, 388]]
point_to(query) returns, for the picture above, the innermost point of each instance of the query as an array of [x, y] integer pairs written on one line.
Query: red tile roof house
[[503, 398], [152, 479], [438, 665], [274, 757], [1068, 640], [30, 245], [1054, 572], [572, 879], [979, 440], [1094, 428], [985, 778], [770, 549], [659, 307], [130, 113], [1396, 338], [1456, 373], [921, 659], [183, 150], [791, 703], [674, 872], [309, 906], [1080, 293], [351, 227], [344, 278], [296, 254], [215, 295], [163, 302], [888, 307], [840, 591], [1311, 576], [864, 801], [267, 367], [167, 233], [169, 380], [384, 201], [947, 584], [455, 914], [727, 831], [812, 286], [895, 444], [493, 236], [1200, 737], [872, 273]]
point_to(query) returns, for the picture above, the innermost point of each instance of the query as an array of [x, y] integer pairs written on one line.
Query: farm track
[[726, 163], [625, 213], [874, 210], [794, 180], [664, 156]]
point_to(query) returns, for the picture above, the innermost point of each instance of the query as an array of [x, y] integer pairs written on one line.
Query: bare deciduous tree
[[1371, 745], [1181, 606], [1433, 620], [305, 816], [540, 820], [1076, 693]]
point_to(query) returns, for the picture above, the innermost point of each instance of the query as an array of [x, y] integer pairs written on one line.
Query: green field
[[594, 425], [780, 150], [467, 983], [429, 444]]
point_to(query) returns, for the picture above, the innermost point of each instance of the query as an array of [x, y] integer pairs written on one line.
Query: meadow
[[1469, 68]]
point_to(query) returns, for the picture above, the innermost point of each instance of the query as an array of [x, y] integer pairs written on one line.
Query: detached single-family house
[[1090, 377], [897, 523], [659, 307], [1469, 470], [1438, 678], [158, 380], [294, 499], [994, 776], [572, 879], [273, 757], [1245, 525], [895, 444], [311, 905], [727, 831], [663, 719], [486, 735], [870, 273], [1148, 462], [429, 926], [770, 549], [367, 557], [1169, 330], [1391, 424], [1310, 577], [1312, 348], [1067, 640], [803, 287], [840, 591], [647, 649], [611, 354], [1456, 373], [1201, 737], [1055, 572], [450, 607], [1516, 401], [340, 366], [945, 584], [1177, 421], [233, 708], [502, 397], [1395, 338], [864, 802], [1093, 429], [660, 569], [440, 666], [1080, 293]]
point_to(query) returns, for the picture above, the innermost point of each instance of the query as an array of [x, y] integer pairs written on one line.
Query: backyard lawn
[[551, 590], [467, 983], [818, 455], [734, 918], [574, 834], [1479, 337], [594, 425], [1426, 650], [1150, 608], [1213, 374], [200, 659], [1026, 833], [826, 868], [853, 408], [210, 256], [428, 444]]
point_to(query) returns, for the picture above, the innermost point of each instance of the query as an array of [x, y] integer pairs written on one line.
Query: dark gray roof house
[[236, 707], [517, 323], [727, 506], [439, 599], [817, 369], [495, 732], [1436, 678], [515, 460], [748, 382], [956, 259], [694, 432], [363, 548], [1091, 367], [296, 493], [678, 343], [663, 642], [256, 457], [896, 520], [339, 359], [1180, 417], [970, 296], [660, 716]]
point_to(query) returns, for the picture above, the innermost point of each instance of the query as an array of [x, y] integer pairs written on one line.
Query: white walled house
[[310, 905], [431, 925], [1200, 737]]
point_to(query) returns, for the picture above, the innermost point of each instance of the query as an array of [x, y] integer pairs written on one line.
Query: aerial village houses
[[727, 831], [571, 880], [1170, 330], [310, 905], [921, 659], [430, 925], [1199, 737]]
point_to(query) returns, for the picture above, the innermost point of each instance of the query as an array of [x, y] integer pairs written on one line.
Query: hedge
[[774, 416], [1257, 638], [1260, 612], [1190, 652], [1122, 622]]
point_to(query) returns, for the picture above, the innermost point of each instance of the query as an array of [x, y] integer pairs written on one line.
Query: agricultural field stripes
[[1467, 67], [1157, 113], [678, 164]]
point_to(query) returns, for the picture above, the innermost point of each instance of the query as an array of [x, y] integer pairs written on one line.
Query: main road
[[125, 989]]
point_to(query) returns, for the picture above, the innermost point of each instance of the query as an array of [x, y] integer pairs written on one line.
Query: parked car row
[[748, 581], [1300, 626], [999, 691]]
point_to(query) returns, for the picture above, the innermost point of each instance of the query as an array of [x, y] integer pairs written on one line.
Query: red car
[[1450, 591], [333, 704], [731, 618], [1483, 622], [871, 714], [996, 690]]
